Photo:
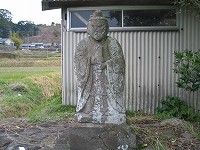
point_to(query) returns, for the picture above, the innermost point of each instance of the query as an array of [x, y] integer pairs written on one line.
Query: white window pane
[[79, 18]]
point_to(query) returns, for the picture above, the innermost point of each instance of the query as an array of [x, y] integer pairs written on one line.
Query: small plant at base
[[159, 145], [175, 107]]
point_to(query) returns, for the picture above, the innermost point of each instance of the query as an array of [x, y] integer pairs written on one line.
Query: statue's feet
[[100, 119]]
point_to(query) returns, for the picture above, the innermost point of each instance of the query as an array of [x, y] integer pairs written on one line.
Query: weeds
[[150, 139], [52, 109], [159, 145], [50, 85], [17, 99], [19, 94], [175, 107]]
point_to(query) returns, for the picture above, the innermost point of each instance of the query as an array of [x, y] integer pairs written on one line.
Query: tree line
[[23, 28]]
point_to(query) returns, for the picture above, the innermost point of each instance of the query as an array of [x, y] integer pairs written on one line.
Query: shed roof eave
[[55, 4]]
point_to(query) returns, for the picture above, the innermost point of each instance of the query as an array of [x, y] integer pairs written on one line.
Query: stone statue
[[100, 70]]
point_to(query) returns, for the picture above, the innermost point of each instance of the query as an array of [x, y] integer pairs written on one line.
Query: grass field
[[30, 87], [23, 88], [27, 58], [19, 73]]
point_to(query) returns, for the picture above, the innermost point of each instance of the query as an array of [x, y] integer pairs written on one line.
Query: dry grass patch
[[29, 63], [50, 85], [169, 134]]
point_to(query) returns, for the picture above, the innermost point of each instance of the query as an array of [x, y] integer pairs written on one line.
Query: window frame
[[122, 8]]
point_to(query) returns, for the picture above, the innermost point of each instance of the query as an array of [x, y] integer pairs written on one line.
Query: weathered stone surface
[[172, 121], [15, 133], [100, 71], [4, 142], [187, 135], [148, 148], [87, 136]]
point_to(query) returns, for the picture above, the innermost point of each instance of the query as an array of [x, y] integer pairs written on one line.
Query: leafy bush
[[16, 39], [175, 107], [193, 5], [187, 66]]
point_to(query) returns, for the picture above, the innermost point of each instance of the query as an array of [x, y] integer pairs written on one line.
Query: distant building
[[25, 46], [37, 45], [6, 41], [47, 44]]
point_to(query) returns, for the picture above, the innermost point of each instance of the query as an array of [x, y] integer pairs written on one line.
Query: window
[[132, 18], [157, 17], [79, 18]]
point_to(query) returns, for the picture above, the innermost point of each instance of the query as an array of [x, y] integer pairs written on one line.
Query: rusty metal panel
[[149, 64]]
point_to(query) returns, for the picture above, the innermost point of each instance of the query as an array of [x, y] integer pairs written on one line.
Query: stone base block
[[87, 136]]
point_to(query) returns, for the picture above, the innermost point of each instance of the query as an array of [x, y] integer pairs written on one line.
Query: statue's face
[[97, 29]]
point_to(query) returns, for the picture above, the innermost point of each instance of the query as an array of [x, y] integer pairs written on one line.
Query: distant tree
[[26, 28], [17, 40], [193, 4], [41, 25], [6, 14], [5, 23], [52, 23]]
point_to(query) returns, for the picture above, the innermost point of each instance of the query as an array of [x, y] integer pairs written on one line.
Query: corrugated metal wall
[[149, 63]]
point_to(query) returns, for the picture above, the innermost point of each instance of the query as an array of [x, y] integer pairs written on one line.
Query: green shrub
[[175, 107], [187, 66]]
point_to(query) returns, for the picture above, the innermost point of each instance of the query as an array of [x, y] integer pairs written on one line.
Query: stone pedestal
[[87, 136]]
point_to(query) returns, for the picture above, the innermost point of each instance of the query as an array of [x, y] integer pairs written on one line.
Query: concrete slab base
[[87, 136]]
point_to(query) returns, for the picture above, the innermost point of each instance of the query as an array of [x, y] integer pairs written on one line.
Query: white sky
[[30, 10]]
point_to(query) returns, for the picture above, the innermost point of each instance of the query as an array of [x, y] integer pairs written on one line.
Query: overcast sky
[[30, 10]]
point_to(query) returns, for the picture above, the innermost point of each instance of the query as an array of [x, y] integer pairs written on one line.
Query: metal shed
[[148, 49]]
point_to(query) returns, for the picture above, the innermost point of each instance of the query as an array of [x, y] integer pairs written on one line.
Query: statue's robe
[[100, 91]]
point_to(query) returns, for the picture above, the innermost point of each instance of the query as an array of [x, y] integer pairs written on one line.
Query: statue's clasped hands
[[100, 66]]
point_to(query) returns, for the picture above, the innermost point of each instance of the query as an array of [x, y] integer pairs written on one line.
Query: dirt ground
[[170, 134]]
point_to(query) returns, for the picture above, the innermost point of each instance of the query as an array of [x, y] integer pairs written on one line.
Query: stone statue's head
[[97, 26]]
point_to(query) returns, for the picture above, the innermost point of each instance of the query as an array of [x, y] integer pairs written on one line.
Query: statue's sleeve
[[116, 75], [116, 57], [81, 64]]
